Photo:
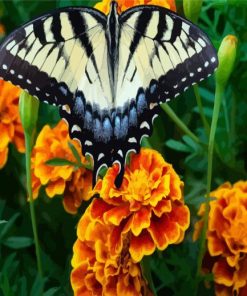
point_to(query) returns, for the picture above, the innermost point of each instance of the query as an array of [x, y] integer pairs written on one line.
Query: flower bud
[[29, 109], [192, 9], [227, 56]]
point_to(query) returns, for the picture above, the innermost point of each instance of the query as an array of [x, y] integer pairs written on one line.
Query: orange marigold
[[227, 237], [104, 5], [98, 272], [10, 124], [53, 143], [148, 207]]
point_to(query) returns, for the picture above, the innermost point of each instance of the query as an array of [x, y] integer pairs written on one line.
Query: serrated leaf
[[178, 146], [59, 162], [16, 242]]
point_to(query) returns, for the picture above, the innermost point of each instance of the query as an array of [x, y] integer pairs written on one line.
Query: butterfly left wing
[[160, 56], [61, 58]]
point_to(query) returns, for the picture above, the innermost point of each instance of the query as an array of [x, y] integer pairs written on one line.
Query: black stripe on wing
[[35, 36], [196, 57]]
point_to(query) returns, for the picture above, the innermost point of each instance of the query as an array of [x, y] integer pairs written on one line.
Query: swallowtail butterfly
[[107, 74]]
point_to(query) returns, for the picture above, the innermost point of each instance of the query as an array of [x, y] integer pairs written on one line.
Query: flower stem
[[179, 122], [200, 107], [217, 105], [28, 145]]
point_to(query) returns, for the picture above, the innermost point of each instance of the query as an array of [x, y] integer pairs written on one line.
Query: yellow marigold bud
[[192, 9], [28, 107], [227, 55]]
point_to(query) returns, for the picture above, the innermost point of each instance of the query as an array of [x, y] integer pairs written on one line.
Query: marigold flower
[[104, 5], [96, 271], [148, 207], [52, 143], [227, 237], [10, 125]]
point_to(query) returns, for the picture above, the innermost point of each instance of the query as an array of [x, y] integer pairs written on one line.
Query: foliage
[[172, 270]]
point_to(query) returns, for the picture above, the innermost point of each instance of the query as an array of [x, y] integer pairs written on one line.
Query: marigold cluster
[[68, 179], [148, 207], [96, 271], [104, 5], [227, 238], [124, 224], [11, 130]]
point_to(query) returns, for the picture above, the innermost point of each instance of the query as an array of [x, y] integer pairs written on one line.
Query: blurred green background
[[174, 274]]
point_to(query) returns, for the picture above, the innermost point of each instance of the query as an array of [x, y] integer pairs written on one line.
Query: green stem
[[28, 146], [218, 99], [200, 107], [179, 122]]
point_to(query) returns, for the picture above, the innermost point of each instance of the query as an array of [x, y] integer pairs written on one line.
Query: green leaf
[[51, 292], [23, 288], [38, 287], [59, 162], [16, 242], [8, 225], [75, 153], [3, 222], [178, 146]]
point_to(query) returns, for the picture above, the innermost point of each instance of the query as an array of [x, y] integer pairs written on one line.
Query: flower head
[[10, 125], [96, 271], [148, 207], [53, 143], [227, 237], [104, 5]]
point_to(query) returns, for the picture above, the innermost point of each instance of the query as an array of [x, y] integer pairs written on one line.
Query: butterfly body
[[107, 74]]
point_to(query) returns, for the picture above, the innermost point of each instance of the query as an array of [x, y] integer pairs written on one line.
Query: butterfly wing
[[160, 56], [61, 58]]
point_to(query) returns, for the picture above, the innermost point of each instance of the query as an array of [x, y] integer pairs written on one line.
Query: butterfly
[[109, 74]]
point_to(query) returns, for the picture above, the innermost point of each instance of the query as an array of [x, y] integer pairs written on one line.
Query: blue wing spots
[[117, 126], [121, 126], [133, 117], [107, 130], [153, 87], [79, 106], [64, 90], [124, 126], [97, 129], [88, 120], [141, 103]]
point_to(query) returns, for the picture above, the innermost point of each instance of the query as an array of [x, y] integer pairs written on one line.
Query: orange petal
[[98, 208], [163, 231], [216, 246], [141, 245], [117, 214], [181, 215], [223, 274], [82, 252], [3, 157], [141, 220], [55, 188], [164, 206]]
